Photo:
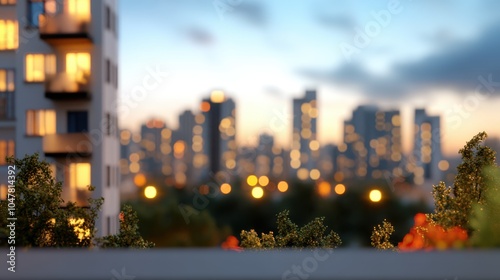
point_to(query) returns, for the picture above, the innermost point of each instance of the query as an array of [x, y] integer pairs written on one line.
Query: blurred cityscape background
[[347, 110]]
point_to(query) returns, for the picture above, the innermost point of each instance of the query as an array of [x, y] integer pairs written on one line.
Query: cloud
[[456, 66], [339, 21]]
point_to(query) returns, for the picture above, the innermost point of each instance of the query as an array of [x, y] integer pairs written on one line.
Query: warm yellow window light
[[79, 175], [6, 80], [38, 66], [40, 122], [9, 35], [78, 66], [79, 9]]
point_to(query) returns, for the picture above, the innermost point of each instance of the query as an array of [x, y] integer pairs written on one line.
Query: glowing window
[[7, 2], [79, 176], [7, 148], [78, 67], [7, 80], [9, 35], [38, 66], [79, 9], [40, 122]]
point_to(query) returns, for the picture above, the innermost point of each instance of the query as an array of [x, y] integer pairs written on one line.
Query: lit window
[[7, 148], [78, 67], [79, 176], [7, 2], [3, 192], [40, 122], [38, 66], [9, 35], [79, 9], [7, 80]]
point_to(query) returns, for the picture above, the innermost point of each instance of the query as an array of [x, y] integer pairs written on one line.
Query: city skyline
[[265, 53]]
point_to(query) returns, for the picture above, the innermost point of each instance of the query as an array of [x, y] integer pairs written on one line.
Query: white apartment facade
[[58, 92]]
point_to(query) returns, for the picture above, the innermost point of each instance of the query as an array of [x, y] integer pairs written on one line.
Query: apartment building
[[58, 95]]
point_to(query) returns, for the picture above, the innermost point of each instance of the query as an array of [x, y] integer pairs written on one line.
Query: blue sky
[[264, 53]]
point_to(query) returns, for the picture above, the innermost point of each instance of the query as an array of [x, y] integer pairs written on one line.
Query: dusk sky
[[441, 55]]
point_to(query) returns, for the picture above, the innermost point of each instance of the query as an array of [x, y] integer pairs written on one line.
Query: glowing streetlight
[[257, 192], [150, 192], [263, 181], [375, 195]]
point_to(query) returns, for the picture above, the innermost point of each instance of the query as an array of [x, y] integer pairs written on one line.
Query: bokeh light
[[340, 189], [375, 195], [263, 181], [252, 180], [324, 189], [150, 192], [225, 188], [282, 186], [257, 192]]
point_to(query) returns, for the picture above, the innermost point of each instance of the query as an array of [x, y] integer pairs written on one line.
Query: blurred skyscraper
[[427, 148], [305, 146], [372, 143], [219, 133]]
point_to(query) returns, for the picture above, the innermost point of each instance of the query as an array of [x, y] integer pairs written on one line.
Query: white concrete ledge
[[217, 264]]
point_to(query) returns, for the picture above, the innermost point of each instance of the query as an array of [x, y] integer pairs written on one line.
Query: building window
[[3, 192], [116, 76], [78, 67], [40, 122], [7, 2], [79, 176], [108, 175], [38, 66], [7, 148], [7, 80], [77, 121], [9, 35], [108, 18], [108, 124], [108, 71]]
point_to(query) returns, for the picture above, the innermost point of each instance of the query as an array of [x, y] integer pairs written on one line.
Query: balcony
[[61, 87], [64, 28], [7, 106], [64, 145]]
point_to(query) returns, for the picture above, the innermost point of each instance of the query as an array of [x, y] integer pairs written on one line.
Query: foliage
[[453, 206], [485, 220], [43, 218], [289, 235], [46, 220], [381, 235], [471, 206], [427, 234], [128, 236]]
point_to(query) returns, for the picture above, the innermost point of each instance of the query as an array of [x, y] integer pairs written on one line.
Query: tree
[[453, 205], [45, 219]]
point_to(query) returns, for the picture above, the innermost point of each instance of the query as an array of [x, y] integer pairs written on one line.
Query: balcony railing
[[272, 264], [61, 87], [7, 106], [71, 144], [63, 27]]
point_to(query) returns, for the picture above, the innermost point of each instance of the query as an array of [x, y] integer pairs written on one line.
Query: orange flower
[[425, 234], [231, 243]]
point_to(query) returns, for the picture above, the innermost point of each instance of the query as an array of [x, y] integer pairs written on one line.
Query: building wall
[[101, 106]]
